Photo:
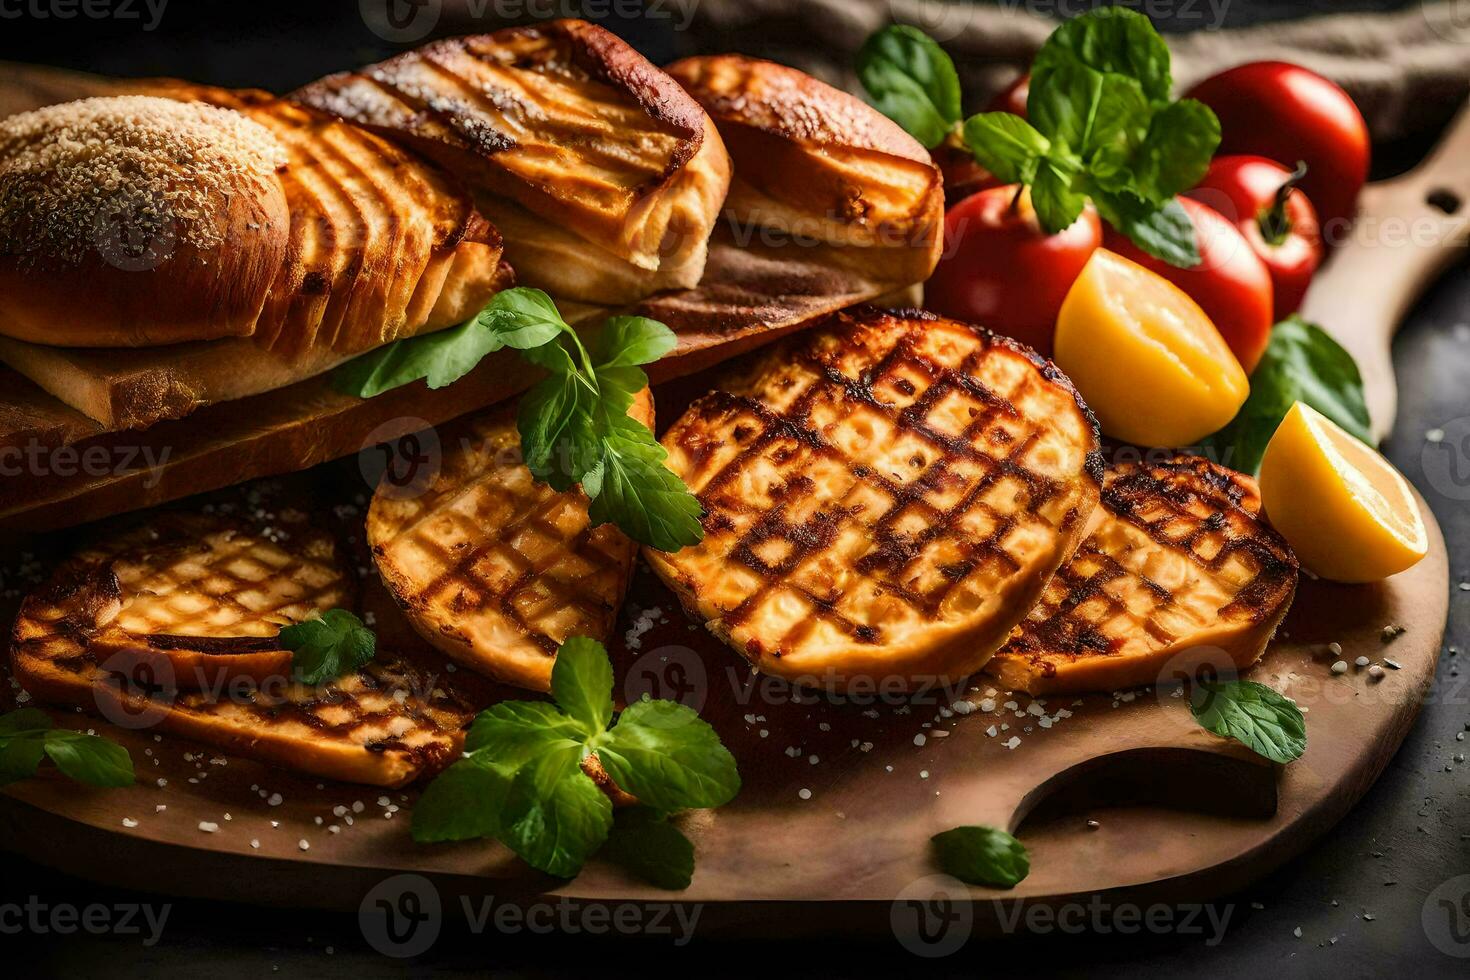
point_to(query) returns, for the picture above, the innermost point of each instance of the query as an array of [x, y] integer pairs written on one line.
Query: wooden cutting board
[[840, 799]]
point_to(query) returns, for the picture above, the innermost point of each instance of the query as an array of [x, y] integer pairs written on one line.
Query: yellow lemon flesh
[[1146, 358], [1345, 511]]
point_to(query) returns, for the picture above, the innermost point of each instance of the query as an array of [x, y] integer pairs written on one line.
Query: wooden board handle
[[1408, 231]]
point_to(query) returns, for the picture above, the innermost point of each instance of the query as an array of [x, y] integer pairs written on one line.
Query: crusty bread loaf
[[817, 165], [617, 171], [133, 220]]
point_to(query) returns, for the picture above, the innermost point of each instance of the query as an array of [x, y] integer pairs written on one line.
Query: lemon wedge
[[1343, 508]]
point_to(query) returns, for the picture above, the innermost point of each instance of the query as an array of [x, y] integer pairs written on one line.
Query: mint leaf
[[1006, 145], [555, 817], [627, 341], [330, 646], [662, 753], [982, 856], [512, 732], [1252, 714], [27, 735], [644, 843], [1110, 40], [581, 682], [911, 80], [1301, 363], [1182, 138], [1165, 233], [464, 802]]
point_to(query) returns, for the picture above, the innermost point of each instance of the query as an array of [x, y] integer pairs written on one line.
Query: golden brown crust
[[1176, 564]]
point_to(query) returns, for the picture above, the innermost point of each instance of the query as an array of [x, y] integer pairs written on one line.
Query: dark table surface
[[1364, 901]]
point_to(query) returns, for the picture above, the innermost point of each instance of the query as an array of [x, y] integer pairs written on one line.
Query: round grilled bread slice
[[884, 498], [1177, 570], [493, 568], [172, 626]]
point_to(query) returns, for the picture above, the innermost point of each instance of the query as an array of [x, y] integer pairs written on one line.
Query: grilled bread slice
[[190, 593], [604, 176], [493, 568], [817, 165], [884, 499], [1178, 564]]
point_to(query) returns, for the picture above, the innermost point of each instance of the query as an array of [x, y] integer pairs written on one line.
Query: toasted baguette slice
[[884, 500], [818, 165], [577, 144], [188, 592], [493, 568], [1176, 565]]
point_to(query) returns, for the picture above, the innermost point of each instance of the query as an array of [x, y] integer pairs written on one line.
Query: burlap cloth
[[1408, 70]]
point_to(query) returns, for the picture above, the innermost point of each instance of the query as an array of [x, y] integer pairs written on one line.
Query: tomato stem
[[1274, 222], [1016, 198]]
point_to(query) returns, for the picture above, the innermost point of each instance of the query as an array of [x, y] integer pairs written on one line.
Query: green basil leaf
[[627, 341], [24, 720], [662, 753], [555, 817], [89, 759], [1301, 363], [20, 756], [1056, 202], [1182, 138], [439, 358], [641, 495], [1164, 232], [1107, 39], [328, 647], [582, 682], [464, 802], [1006, 145], [644, 843], [912, 81], [524, 317], [1252, 714], [982, 856]]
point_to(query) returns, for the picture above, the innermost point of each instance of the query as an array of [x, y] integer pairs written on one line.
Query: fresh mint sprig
[[1100, 125], [329, 646], [521, 780], [1256, 716], [574, 424], [27, 736]]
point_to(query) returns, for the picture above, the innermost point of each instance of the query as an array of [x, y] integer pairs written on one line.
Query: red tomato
[[1000, 270], [1286, 113], [962, 175], [1230, 283], [1275, 217], [1013, 99]]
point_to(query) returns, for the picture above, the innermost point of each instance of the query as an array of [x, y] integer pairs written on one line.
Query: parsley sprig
[[574, 424], [27, 736], [1100, 127], [521, 780]]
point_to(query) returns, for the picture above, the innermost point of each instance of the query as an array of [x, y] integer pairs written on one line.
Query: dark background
[[1357, 896]]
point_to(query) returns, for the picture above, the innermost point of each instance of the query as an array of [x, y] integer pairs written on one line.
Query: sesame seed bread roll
[[133, 221]]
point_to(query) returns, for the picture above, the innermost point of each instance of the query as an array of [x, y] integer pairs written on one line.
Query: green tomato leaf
[[1301, 363], [1006, 145], [89, 759], [1163, 232], [1107, 39], [627, 341], [335, 644], [1252, 714], [982, 856], [1182, 137], [582, 682], [464, 802], [645, 844], [662, 753], [912, 81], [555, 817]]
